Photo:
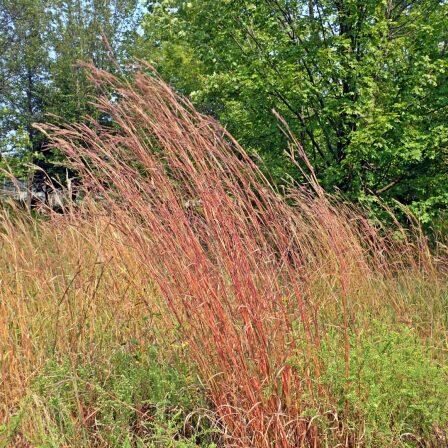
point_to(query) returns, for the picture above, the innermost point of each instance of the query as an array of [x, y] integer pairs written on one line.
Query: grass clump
[[181, 242]]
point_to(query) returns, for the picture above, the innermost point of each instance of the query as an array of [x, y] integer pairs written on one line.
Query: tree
[[40, 78], [362, 83], [96, 31], [24, 74]]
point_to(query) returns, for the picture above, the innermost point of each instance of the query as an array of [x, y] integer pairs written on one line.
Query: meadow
[[185, 302]]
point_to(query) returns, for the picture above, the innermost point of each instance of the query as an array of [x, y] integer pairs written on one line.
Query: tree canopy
[[41, 44], [362, 83]]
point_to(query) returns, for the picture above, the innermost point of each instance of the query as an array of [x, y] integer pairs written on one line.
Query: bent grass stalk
[[250, 277]]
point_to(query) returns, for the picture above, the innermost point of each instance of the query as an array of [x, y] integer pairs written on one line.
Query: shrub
[[396, 393]]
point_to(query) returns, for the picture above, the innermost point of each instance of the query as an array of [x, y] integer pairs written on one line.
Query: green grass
[[397, 390], [134, 400]]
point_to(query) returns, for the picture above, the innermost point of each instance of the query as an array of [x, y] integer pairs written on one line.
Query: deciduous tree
[[362, 83]]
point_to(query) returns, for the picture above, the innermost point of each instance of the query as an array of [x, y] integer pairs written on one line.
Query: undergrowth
[[396, 391], [132, 401]]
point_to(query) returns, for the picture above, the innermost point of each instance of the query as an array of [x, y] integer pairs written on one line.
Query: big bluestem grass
[[254, 280]]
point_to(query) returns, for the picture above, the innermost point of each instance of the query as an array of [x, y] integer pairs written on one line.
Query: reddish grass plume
[[250, 276]]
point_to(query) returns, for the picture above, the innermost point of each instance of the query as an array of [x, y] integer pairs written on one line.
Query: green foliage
[[133, 400], [24, 65], [396, 393], [41, 44], [363, 84]]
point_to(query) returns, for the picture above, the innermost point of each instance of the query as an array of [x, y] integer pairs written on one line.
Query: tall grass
[[259, 284], [88, 355]]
